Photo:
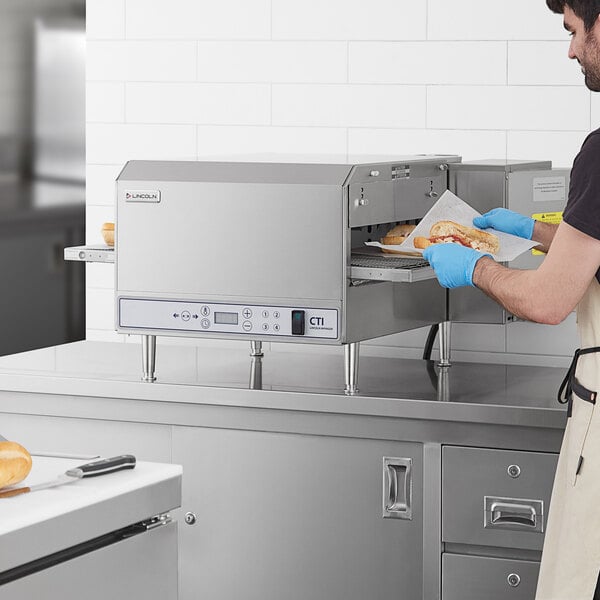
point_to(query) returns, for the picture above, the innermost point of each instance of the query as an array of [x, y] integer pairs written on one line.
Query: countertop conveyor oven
[[269, 251]]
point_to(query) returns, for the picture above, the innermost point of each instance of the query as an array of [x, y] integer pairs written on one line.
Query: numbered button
[[265, 327]]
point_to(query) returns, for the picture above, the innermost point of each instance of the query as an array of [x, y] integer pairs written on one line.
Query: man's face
[[585, 47]]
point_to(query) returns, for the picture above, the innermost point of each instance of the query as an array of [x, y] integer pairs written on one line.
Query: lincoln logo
[[142, 196], [317, 321]]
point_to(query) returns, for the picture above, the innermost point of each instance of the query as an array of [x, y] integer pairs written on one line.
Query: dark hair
[[586, 10]]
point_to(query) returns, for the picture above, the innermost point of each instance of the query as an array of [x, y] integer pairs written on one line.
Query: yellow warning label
[[549, 217]]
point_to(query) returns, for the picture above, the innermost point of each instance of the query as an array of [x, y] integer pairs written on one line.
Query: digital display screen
[[226, 318]]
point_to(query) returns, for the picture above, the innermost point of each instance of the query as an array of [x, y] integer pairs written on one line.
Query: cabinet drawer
[[477, 577], [496, 497]]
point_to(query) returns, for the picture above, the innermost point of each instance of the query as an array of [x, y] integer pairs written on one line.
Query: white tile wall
[[349, 20], [477, 20], [427, 62], [199, 103], [187, 79], [349, 105], [245, 142], [270, 62], [198, 19], [141, 61]]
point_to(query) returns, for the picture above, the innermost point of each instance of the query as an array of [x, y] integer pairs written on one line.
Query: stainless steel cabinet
[[298, 517], [496, 497], [486, 578], [494, 512]]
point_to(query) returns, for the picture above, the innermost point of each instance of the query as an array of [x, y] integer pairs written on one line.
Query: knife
[[92, 469]]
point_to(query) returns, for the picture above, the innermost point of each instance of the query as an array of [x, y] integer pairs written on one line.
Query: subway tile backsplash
[[190, 79]]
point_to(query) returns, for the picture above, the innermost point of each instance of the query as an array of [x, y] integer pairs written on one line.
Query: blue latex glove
[[453, 264], [506, 221]]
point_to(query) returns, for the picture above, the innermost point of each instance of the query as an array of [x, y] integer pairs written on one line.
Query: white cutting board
[[38, 523]]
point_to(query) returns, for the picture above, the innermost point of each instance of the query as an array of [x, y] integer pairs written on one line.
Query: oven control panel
[[243, 319]]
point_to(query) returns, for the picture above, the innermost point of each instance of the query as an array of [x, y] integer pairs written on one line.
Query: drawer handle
[[513, 513], [397, 488]]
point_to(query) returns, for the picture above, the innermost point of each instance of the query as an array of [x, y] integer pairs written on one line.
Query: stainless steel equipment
[[264, 252], [275, 251], [528, 187], [59, 107]]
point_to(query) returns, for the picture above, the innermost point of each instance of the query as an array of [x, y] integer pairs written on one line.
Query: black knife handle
[[104, 466]]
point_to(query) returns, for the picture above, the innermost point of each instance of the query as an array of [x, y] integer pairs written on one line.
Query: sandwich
[[108, 233], [395, 236], [445, 232]]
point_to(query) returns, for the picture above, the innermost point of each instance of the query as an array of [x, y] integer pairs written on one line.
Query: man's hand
[[453, 264], [506, 221]]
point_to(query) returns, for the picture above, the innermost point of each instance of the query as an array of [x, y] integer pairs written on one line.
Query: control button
[[265, 314], [246, 313], [276, 314], [176, 315], [205, 323], [205, 311], [298, 322], [265, 327], [186, 315], [276, 327], [247, 326], [194, 316]]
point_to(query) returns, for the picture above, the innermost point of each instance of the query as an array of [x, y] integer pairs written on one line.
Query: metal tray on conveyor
[[372, 264]]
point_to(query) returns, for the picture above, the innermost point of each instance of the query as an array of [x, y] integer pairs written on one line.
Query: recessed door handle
[[397, 488]]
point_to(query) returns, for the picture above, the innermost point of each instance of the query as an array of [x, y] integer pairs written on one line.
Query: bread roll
[[444, 232], [397, 235], [15, 463], [108, 233]]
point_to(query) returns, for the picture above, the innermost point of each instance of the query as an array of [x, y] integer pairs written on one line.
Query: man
[[568, 278]]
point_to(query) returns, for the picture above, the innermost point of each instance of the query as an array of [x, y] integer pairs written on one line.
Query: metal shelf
[[380, 267], [99, 253]]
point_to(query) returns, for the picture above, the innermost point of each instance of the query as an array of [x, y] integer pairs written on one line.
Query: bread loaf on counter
[[15, 463]]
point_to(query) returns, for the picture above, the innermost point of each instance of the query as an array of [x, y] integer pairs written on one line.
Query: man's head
[[586, 10], [581, 20]]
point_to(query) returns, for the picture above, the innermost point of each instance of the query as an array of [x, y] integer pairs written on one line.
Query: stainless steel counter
[[291, 380], [300, 457]]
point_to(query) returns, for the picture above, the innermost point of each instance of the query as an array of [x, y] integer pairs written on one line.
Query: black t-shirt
[[583, 207]]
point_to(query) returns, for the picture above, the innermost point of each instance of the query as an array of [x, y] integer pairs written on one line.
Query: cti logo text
[[317, 321]]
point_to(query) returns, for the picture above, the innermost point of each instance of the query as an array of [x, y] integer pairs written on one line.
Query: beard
[[591, 63]]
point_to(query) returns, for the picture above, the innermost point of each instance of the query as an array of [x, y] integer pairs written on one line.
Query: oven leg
[[351, 368], [256, 365], [445, 328], [256, 348], [443, 390], [149, 357]]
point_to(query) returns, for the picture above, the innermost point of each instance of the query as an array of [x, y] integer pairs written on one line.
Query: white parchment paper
[[450, 207]]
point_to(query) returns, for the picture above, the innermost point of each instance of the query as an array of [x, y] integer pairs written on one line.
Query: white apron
[[571, 555]]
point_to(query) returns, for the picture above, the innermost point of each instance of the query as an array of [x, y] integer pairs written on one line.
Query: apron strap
[[570, 383]]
